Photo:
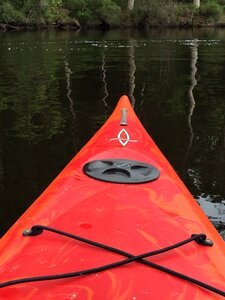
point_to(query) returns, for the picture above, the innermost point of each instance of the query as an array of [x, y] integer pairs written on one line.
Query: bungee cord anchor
[[38, 229]]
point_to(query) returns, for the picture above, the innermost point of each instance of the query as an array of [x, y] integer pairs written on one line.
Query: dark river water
[[58, 88]]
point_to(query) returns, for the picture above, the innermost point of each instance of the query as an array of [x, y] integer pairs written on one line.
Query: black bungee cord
[[38, 229]]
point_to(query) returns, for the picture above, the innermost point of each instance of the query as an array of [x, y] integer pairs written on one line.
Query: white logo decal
[[123, 137]]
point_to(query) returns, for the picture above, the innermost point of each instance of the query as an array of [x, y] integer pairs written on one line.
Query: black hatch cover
[[121, 171]]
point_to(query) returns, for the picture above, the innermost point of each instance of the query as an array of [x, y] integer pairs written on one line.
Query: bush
[[8, 14], [183, 14], [162, 12], [211, 11], [56, 12], [75, 7], [42, 11], [148, 13], [169, 12], [222, 2], [35, 10], [93, 12], [111, 12], [108, 12]]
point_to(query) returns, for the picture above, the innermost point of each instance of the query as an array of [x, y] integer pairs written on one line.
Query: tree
[[130, 5], [196, 3]]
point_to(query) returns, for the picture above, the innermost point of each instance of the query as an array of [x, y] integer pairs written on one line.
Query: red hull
[[136, 218]]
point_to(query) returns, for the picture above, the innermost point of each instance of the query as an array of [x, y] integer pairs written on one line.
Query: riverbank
[[45, 26], [76, 26], [107, 14]]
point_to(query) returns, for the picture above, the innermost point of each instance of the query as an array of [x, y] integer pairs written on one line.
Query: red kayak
[[117, 224]]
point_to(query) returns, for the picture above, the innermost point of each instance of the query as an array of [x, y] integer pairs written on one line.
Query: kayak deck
[[135, 218]]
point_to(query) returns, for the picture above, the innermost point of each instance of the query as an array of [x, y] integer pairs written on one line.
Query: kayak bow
[[117, 223]]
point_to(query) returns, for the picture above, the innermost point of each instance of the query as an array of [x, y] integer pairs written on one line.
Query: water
[[58, 88]]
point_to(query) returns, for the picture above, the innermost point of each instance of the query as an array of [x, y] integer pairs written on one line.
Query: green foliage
[[93, 11], [183, 14], [211, 11], [79, 9], [221, 2], [111, 12], [8, 14], [165, 12], [56, 11], [157, 12], [74, 6], [41, 11], [148, 12], [107, 11], [35, 10]]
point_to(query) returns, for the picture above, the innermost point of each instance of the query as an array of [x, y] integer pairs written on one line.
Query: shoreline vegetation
[[106, 14]]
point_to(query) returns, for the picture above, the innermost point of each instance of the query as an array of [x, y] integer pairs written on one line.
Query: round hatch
[[121, 171]]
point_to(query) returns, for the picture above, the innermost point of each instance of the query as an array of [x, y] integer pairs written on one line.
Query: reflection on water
[[131, 71], [104, 78], [214, 207], [193, 83], [58, 88]]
